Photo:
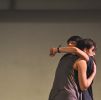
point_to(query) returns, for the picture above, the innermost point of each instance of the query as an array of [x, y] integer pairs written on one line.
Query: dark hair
[[86, 43], [74, 38]]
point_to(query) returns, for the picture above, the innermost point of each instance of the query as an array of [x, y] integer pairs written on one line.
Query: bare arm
[[75, 50], [81, 54], [82, 77]]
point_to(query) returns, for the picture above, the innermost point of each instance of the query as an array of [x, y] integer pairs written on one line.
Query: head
[[72, 41], [88, 46]]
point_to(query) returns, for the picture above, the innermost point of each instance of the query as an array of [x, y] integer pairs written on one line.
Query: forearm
[[74, 50], [87, 82], [84, 82], [90, 79], [53, 51], [68, 50]]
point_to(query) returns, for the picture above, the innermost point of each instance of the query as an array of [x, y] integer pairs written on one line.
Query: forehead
[[92, 47]]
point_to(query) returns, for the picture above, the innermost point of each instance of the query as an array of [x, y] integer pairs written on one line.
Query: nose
[[94, 54]]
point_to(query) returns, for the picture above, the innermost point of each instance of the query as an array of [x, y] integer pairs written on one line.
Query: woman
[[89, 47]]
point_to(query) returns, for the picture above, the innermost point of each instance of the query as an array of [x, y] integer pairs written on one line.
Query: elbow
[[84, 86]]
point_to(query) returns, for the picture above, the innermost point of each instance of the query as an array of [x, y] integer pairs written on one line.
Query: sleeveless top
[[64, 78]]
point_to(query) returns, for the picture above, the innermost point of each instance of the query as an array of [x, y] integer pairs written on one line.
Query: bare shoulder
[[80, 60], [80, 63]]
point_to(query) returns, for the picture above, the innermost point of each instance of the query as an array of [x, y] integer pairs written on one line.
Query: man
[[53, 51], [63, 76]]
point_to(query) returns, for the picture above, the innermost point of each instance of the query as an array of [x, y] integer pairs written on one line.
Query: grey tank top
[[64, 78]]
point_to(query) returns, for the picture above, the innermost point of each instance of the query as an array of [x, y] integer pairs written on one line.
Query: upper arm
[[82, 77]]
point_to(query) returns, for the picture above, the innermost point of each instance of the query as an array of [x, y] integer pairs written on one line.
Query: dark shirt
[[88, 94]]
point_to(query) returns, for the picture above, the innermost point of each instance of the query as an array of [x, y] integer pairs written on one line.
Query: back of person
[[64, 86]]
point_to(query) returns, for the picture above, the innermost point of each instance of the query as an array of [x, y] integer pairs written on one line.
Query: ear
[[85, 50]]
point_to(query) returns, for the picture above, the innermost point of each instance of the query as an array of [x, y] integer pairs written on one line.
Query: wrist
[[58, 50]]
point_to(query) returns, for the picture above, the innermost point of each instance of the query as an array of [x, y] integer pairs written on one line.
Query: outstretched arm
[[75, 50]]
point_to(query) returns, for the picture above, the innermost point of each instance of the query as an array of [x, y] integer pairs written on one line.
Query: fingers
[[52, 52]]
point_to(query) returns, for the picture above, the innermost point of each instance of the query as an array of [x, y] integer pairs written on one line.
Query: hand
[[53, 51]]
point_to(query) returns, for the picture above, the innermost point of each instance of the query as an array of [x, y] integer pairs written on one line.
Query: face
[[71, 44], [91, 51]]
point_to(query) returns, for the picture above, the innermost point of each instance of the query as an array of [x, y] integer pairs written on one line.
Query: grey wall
[[28, 29], [26, 70]]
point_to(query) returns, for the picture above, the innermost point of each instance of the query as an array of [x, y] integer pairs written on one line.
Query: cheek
[[90, 53], [93, 53]]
